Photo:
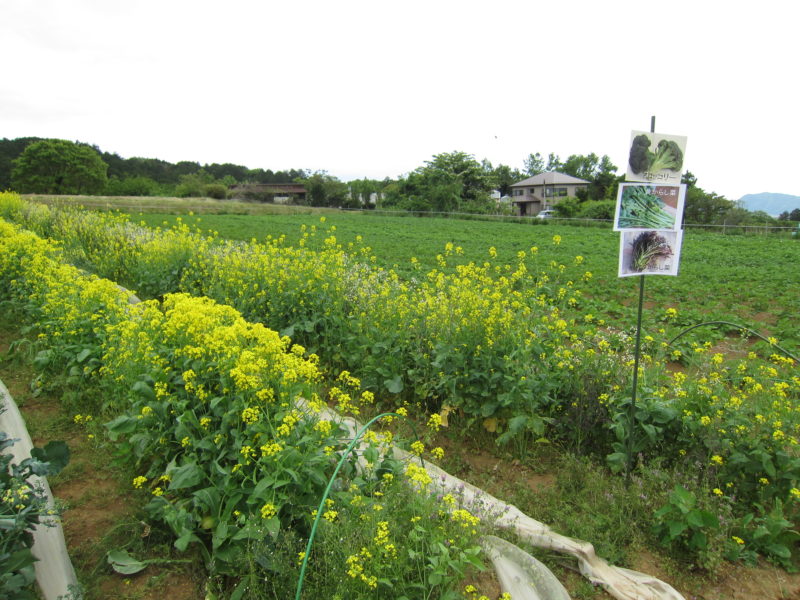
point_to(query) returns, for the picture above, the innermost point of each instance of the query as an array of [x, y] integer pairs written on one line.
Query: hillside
[[770, 203]]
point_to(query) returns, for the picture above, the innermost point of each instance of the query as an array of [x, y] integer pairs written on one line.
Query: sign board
[[649, 206], [649, 252], [655, 157]]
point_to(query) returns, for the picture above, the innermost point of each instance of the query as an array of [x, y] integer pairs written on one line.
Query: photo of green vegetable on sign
[[649, 206], [656, 157]]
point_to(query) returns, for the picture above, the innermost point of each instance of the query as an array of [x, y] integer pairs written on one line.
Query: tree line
[[58, 166], [448, 182]]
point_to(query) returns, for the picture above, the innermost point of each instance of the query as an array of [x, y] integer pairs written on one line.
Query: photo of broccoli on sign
[[656, 157]]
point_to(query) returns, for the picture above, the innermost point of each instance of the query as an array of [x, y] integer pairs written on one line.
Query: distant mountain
[[772, 204]]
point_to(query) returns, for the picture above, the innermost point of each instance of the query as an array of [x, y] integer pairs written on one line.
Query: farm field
[[749, 279], [546, 326]]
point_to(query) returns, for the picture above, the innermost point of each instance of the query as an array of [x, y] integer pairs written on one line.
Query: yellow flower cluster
[[355, 568], [268, 511], [418, 476]]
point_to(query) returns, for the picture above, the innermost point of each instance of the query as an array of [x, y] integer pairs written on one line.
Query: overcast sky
[[375, 88]]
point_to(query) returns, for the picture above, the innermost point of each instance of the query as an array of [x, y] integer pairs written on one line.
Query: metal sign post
[[636, 356]]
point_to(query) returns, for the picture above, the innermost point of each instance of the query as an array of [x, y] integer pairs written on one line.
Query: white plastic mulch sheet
[[519, 575], [54, 571]]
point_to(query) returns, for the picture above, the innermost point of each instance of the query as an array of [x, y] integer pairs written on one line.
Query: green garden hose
[[328, 489], [743, 328]]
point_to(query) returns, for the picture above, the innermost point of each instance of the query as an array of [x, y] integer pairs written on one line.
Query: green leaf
[[699, 540], [42, 358], [220, 534], [676, 528], [515, 424], [394, 385], [249, 532], [185, 476], [121, 425], [488, 409], [371, 454], [123, 563], [55, 453], [273, 526], [238, 593], [616, 461], [19, 560], [694, 519], [208, 499], [710, 520], [779, 550], [263, 485], [682, 498], [183, 541], [83, 355], [144, 390]]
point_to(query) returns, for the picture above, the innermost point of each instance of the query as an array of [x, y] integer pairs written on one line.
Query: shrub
[[597, 209], [217, 191]]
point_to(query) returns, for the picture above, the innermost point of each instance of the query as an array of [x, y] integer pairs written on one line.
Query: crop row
[[207, 415]]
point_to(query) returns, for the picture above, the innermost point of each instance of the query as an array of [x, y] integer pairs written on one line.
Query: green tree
[[456, 181], [554, 163], [689, 179], [59, 167], [193, 185], [9, 152], [601, 173], [449, 182], [604, 179], [795, 215], [220, 171], [567, 208], [362, 190], [580, 166], [503, 177], [131, 186], [597, 209], [326, 190], [703, 207], [534, 164]]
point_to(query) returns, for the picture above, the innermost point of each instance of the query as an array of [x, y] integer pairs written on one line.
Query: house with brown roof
[[535, 194]]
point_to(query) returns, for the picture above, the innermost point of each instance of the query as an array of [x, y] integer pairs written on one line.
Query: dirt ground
[[97, 509]]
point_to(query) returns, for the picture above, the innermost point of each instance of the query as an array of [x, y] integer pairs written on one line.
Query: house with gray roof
[[534, 194]]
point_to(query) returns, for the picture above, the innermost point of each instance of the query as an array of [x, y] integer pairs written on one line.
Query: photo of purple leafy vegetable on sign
[[651, 252]]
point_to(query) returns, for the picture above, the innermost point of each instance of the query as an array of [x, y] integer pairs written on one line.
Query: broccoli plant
[[668, 156]]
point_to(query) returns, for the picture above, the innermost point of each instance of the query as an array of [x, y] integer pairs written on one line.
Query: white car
[[546, 214]]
